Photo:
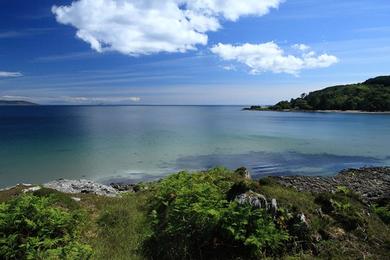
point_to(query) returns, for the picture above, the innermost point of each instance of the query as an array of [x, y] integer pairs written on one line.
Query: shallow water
[[135, 143]]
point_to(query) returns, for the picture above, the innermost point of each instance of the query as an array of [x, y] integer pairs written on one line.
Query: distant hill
[[373, 95], [16, 103]]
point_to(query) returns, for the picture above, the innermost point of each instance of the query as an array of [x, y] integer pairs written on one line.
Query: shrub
[[32, 228], [342, 208], [383, 213], [192, 218]]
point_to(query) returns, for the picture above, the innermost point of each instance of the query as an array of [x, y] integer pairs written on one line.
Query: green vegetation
[[382, 209], [31, 228], [193, 216], [372, 95]]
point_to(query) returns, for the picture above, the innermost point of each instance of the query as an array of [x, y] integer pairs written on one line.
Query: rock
[[121, 187], [302, 218], [372, 184], [76, 199], [32, 189], [254, 199], [274, 206], [243, 172], [82, 186]]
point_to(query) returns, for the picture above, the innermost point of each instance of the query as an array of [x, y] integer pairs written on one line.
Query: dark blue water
[[144, 142]]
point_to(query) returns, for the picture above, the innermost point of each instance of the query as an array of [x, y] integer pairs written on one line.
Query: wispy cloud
[[7, 74], [100, 100], [229, 67], [11, 97], [66, 56], [24, 33]]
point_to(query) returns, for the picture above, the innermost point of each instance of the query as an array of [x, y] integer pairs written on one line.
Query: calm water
[[144, 142]]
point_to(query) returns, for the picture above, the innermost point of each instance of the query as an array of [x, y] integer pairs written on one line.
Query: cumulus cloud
[[139, 27], [270, 57], [7, 74]]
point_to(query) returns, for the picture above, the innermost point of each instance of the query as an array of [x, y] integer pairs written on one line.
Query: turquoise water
[[135, 143]]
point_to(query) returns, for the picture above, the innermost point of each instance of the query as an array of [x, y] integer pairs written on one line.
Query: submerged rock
[[81, 186]]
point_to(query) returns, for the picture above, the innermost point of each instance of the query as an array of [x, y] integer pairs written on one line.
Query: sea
[[141, 143]]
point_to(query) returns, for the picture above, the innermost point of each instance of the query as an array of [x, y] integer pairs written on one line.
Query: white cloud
[[6, 74], [301, 47], [13, 97], [270, 57], [135, 99], [138, 27], [229, 67], [92, 100]]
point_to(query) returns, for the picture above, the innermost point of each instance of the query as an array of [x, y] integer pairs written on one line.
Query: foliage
[[372, 95], [192, 218], [342, 208], [383, 213], [382, 209], [32, 228]]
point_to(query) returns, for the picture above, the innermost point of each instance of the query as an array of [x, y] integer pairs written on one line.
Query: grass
[[121, 228]]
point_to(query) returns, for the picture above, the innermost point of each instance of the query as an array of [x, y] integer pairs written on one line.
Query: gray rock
[[372, 184], [81, 186], [302, 218], [274, 206], [32, 189], [254, 199]]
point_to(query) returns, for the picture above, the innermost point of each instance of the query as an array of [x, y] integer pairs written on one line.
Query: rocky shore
[[82, 186], [372, 184]]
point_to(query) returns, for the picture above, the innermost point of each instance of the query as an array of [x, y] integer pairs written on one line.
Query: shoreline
[[321, 111], [371, 183]]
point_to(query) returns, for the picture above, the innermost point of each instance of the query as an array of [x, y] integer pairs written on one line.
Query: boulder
[[254, 199], [274, 206]]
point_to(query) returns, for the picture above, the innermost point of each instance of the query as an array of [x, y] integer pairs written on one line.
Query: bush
[[341, 206], [32, 228], [192, 218], [383, 213]]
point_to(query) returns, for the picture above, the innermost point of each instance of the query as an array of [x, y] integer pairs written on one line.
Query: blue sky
[[234, 55]]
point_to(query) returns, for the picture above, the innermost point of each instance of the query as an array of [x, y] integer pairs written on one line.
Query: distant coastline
[[317, 111], [16, 103], [371, 96]]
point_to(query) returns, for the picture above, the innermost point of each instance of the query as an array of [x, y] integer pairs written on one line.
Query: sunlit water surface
[[134, 143]]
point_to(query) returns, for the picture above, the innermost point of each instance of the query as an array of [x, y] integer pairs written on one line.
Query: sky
[[187, 52]]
